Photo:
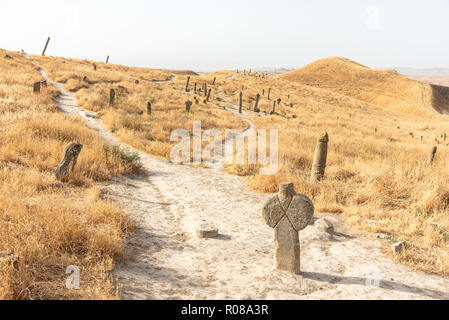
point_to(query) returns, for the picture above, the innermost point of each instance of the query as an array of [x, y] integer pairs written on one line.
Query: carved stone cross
[[288, 213]]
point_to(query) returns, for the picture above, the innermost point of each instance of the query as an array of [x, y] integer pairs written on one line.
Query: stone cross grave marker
[[288, 213]]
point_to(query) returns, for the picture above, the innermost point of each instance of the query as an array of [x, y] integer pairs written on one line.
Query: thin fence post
[[187, 84], [46, 45]]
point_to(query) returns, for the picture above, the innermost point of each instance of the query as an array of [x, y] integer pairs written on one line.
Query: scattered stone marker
[[7, 56], [398, 247], [319, 158], [188, 105], [111, 97], [240, 102], [68, 162], [288, 213], [148, 107], [9, 258], [187, 84], [256, 106], [37, 87], [46, 45], [44, 83], [432, 155], [136, 82], [206, 231]]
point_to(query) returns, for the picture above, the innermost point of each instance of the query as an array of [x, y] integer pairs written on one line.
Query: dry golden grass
[[381, 176], [50, 225]]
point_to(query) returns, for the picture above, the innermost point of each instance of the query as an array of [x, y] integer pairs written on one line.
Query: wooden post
[[432, 155], [208, 95], [95, 67], [256, 105], [148, 107], [319, 159], [269, 92], [111, 97], [240, 102], [37, 87], [46, 45], [68, 162], [187, 84], [107, 59], [274, 107], [194, 88], [213, 82], [205, 89], [263, 92]]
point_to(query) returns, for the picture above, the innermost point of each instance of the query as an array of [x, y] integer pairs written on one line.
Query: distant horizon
[[206, 35]]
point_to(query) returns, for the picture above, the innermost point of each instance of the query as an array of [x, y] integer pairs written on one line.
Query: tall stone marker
[[288, 213], [319, 158]]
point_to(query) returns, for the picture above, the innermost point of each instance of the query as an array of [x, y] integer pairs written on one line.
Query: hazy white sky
[[207, 35]]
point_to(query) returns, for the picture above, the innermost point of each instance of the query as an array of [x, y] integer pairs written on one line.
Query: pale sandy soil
[[167, 261]]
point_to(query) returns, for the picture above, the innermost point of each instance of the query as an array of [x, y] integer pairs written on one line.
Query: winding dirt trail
[[166, 260]]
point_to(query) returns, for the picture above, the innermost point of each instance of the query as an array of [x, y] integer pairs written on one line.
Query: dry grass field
[[46, 224], [381, 125]]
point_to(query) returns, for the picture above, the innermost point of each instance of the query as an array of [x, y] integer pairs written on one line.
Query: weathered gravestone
[[68, 162], [288, 213]]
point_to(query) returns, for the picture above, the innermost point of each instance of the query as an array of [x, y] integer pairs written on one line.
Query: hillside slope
[[385, 88]]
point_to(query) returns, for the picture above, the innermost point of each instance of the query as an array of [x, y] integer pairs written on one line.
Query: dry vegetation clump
[[46, 224]]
